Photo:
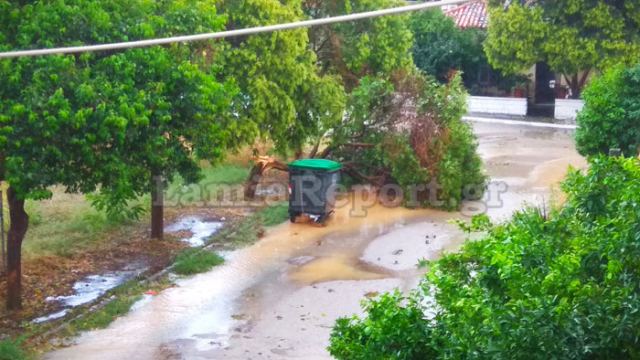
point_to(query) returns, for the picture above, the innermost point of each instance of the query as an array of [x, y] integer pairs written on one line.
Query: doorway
[[544, 99]]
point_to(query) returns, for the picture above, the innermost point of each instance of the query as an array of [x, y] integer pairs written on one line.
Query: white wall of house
[[497, 105], [567, 109]]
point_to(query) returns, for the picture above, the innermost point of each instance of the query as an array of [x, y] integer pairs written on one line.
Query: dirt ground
[[279, 298]]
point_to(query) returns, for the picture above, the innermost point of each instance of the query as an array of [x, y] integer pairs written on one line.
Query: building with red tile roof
[[473, 14]]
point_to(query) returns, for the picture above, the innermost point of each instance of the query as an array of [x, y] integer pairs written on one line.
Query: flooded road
[[278, 298]]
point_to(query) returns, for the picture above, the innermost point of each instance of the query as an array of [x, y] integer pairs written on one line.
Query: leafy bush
[[385, 332], [611, 115], [439, 45], [408, 131], [566, 286], [460, 170], [194, 261]]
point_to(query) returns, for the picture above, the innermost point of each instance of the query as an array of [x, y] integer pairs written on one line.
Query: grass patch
[[64, 229], [105, 316], [125, 296], [194, 261], [12, 350], [274, 214], [248, 230], [67, 224]]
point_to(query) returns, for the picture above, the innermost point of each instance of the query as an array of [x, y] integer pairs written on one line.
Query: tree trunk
[[157, 207], [575, 87], [17, 231], [263, 163], [583, 81]]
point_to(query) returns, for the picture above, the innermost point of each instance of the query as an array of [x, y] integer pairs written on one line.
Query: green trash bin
[[312, 184]]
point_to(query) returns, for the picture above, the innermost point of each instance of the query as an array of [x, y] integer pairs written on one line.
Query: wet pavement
[[278, 298]]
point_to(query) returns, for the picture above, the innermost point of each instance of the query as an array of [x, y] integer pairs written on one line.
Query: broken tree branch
[[262, 165]]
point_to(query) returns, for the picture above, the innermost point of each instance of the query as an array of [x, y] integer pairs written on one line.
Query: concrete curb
[[519, 123]]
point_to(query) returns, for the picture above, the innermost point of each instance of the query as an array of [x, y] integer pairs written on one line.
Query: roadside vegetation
[[194, 261], [565, 284], [12, 350], [121, 300], [248, 230], [610, 120]]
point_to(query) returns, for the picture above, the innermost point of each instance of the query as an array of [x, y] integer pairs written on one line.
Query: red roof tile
[[470, 15]]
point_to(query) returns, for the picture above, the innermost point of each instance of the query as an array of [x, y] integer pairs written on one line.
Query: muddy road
[[278, 298]]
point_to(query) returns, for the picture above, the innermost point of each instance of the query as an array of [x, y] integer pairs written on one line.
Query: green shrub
[[611, 114], [384, 333], [12, 350], [194, 261], [274, 214], [460, 169], [439, 45], [563, 286]]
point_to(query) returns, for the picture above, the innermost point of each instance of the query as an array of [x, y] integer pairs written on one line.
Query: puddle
[[200, 230], [340, 267], [50, 317], [86, 291], [92, 287]]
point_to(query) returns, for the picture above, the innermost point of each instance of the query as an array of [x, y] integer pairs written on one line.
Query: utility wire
[[230, 33]]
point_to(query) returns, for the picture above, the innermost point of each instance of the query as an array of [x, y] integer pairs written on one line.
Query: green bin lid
[[316, 164]]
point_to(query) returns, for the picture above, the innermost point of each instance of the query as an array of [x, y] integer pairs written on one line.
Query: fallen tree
[[405, 131]]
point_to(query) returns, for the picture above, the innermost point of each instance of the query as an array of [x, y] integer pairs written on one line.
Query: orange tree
[[105, 121]]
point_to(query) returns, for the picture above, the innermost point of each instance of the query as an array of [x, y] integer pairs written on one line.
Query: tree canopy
[[570, 35], [408, 131], [371, 47], [281, 91], [105, 121]]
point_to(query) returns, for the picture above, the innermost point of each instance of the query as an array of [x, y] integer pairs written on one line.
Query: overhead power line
[[230, 33]]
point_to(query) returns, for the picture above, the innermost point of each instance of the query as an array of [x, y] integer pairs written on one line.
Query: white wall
[[567, 109], [497, 105]]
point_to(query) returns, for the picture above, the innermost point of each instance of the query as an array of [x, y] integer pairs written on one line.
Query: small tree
[[408, 131], [573, 37], [611, 115]]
